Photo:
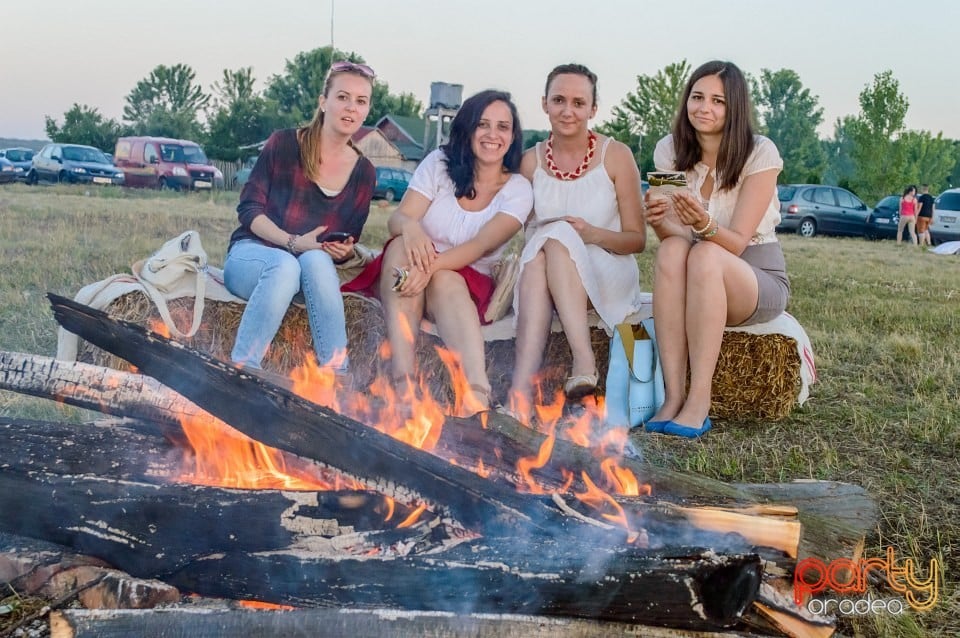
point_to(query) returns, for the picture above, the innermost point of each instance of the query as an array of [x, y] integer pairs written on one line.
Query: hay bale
[[757, 376]]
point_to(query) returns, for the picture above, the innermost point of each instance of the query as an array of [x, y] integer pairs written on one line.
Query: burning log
[[281, 547], [284, 421], [835, 515]]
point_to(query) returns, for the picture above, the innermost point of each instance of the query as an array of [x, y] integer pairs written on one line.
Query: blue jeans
[[269, 278]]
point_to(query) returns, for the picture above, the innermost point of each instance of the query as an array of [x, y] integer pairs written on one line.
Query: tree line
[[871, 153], [169, 103]]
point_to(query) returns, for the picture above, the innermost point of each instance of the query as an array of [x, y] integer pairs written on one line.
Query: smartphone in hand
[[338, 236]]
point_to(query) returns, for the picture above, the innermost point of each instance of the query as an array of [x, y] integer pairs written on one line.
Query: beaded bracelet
[[291, 241], [709, 234], [699, 233]]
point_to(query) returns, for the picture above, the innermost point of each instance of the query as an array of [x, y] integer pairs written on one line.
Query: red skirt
[[480, 286]]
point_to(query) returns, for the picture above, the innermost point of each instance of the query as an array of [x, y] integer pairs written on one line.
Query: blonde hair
[[309, 136]]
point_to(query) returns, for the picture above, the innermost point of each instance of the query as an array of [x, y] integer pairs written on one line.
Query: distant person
[[464, 202], [580, 244], [908, 214], [719, 262], [925, 216], [307, 183]]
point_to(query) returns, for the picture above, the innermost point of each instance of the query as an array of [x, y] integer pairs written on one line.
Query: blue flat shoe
[[676, 429], [655, 426]]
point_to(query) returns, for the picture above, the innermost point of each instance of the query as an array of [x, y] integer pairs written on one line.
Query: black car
[[809, 209], [73, 164], [882, 223]]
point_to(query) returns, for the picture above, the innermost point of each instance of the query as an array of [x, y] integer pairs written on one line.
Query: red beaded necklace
[[577, 172]]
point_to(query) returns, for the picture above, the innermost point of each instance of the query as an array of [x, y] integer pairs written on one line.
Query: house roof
[[362, 132], [412, 127]]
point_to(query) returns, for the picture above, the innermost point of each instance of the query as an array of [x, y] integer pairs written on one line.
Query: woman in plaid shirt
[[306, 184]]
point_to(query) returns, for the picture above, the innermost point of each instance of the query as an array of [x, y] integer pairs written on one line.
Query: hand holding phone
[[338, 236]]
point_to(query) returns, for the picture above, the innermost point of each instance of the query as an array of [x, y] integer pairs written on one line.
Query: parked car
[[882, 223], [244, 173], [946, 217], [9, 172], [22, 157], [809, 209], [161, 162], [391, 183], [73, 164]]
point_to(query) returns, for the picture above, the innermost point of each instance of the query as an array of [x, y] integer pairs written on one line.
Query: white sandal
[[580, 386]]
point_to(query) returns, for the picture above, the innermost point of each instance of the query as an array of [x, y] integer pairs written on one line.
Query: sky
[[61, 52]]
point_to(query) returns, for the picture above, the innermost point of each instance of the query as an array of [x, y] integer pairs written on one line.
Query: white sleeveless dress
[[612, 281]]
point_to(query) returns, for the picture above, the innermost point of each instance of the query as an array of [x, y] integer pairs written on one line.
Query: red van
[[162, 162]]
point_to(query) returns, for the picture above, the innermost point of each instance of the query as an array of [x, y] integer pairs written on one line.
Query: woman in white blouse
[[465, 201], [719, 262]]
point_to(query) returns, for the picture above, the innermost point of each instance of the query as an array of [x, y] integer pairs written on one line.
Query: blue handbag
[[634, 386]]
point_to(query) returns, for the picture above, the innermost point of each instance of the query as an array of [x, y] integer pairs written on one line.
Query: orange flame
[[262, 606], [159, 327], [414, 515]]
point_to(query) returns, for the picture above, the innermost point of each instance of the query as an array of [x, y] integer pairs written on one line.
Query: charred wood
[[282, 420], [150, 530], [696, 591], [199, 622]]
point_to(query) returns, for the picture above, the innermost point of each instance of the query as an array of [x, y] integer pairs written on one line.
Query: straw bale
[[757, 376]]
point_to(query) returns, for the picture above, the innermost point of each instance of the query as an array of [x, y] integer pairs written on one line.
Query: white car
[[946, 217]]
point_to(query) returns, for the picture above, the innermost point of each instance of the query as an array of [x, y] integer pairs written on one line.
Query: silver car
[[946, 217]]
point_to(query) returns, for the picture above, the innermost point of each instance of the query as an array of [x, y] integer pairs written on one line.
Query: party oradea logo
[[847, 578]]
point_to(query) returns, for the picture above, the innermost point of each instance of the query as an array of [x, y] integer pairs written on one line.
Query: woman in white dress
[[719, 262], [580, 243]]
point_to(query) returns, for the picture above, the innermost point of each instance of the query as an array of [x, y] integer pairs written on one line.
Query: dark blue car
[[19, 157], [73, 164]]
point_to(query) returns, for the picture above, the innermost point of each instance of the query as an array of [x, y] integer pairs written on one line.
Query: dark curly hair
[[459, 149]]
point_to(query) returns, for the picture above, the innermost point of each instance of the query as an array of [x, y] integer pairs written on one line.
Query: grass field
[[884, 321]]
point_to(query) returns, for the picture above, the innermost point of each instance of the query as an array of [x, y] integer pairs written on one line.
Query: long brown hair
[[309, 135], [737, 141]]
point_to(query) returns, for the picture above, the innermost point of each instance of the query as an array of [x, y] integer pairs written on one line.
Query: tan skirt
[[774, 288]]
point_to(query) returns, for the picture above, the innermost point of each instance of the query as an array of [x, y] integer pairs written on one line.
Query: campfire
[[226, 485]]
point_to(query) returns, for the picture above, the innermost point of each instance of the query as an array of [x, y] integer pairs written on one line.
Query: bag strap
[[161, 303], [628, 338]]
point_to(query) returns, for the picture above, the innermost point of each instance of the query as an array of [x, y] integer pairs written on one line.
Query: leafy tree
[[839, 152], [789, 115], [928, 159], [84, 125], [879, 161], [167, 103], [239, 116], [646, 115], [382, 102], [297, 90]]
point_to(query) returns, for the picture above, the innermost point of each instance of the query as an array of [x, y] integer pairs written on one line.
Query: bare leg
[[401, 314], [722, 290], [912, 227], [450, 305], [669, 317], [570, 300], [534, 314]]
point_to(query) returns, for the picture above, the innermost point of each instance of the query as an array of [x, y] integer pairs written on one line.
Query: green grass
[[883, 320]]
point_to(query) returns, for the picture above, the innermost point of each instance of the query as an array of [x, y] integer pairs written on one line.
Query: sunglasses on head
[[345, 66]]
